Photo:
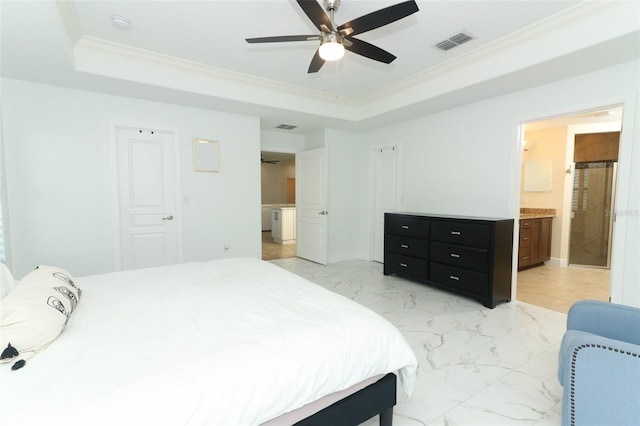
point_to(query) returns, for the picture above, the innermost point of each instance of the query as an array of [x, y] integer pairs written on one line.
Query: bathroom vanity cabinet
[[535, 241]]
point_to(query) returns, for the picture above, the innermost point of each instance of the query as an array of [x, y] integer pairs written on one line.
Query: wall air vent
[[286, 126], [454, 41]]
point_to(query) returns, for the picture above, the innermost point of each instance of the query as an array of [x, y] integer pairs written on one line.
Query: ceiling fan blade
[[315, 13], [380, 18], [282, 38], [316, 63], [370, 51]]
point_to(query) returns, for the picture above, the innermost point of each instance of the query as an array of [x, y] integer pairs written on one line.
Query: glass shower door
[[591, 215]]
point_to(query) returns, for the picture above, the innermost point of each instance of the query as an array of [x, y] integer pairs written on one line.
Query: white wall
[[59, 177], [315, 139], [347, 194], [466, 161], [5, 250], [454, 162], [550, 144], [280, 141]]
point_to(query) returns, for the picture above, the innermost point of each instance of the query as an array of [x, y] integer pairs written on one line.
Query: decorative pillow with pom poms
[[35, 312]]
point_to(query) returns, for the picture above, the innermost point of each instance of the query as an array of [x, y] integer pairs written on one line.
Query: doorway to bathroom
[[573, 183]]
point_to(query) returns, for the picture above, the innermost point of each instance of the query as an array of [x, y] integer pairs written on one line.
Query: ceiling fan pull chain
[[337, 80]]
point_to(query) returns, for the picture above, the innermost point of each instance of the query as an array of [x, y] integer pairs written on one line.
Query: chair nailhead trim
[[574, 357]]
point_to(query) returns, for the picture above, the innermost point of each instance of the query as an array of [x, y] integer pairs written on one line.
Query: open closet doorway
[[278, 171], [568, 179]]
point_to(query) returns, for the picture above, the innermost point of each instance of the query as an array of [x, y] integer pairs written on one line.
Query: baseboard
[[555, 261], [343, 257]]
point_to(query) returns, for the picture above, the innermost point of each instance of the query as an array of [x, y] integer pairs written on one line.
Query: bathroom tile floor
[[478, 366], [557, 288]]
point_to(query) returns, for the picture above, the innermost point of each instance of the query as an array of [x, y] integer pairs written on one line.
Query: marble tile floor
[[478, 366], [557, 288]]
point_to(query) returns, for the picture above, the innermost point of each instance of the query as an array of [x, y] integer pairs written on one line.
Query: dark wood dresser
[[468, 255]]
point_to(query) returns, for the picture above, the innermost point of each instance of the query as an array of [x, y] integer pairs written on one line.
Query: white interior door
[[384, 194], [311, 205], [147, 188]]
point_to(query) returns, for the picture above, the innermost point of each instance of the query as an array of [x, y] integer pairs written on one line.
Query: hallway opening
[[278, 205]]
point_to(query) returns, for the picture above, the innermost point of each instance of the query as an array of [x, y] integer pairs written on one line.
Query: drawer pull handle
[[453, 277], [456, 255], [405, 226], [404, 265], [456, 233], [404, 246], [525, 258], [525, 238]]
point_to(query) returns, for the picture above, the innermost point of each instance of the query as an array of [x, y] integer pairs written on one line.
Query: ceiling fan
[[335, 39], [262, 160]]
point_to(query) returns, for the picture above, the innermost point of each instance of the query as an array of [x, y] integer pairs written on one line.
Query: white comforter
[[227, 342]]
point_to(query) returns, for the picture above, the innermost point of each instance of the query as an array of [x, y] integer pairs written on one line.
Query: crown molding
[[531, 33], [70, 19], [535, 31], [115, 60], [117, 50]]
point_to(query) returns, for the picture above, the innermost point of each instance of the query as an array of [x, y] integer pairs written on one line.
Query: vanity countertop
[[535, 216], [532, 213]]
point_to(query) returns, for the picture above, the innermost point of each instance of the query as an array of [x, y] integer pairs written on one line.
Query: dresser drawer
[[409, 226], [407, 246], [462, 279], [525, 237], [468, 234], [460, 256], [408, 265]]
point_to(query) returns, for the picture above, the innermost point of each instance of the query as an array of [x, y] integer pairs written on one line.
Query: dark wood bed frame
[[376, 399]]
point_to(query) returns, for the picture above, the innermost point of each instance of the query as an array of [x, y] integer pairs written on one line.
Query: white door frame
[[372, 191], [115, 199]]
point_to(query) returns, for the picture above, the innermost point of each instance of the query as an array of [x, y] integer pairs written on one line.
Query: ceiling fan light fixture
[[331, 48]]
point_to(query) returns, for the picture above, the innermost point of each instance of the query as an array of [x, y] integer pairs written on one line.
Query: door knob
[[170, 217]]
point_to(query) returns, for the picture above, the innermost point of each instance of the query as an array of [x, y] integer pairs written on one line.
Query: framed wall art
[[206, 156]]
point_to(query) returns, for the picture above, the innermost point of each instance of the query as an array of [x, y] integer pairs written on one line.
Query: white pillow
[[6, 281], [35, 312]]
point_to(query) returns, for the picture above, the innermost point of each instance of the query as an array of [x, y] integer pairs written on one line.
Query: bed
[[227, 342]]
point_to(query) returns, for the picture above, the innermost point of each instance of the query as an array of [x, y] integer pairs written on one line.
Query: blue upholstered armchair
[[599, 365]]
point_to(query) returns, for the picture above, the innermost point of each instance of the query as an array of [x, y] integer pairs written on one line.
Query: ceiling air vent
[[286, 126], [454, 41]]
